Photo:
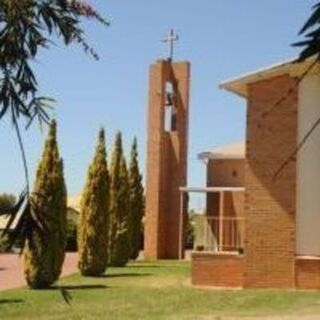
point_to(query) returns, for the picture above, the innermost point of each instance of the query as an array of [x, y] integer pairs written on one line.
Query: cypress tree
[[119, 207], [93, 219], [43, 256], [114, 185], [136, 196]]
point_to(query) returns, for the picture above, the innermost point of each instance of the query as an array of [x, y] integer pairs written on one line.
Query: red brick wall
[[308, 273], [270, 204], [233, 203], [218, 270], [225, 173], [220, 174], [155, 125], [166, 161]]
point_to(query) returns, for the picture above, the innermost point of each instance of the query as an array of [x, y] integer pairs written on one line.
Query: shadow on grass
[[125, 275], [80, 287], [144, 265], [10, 301]]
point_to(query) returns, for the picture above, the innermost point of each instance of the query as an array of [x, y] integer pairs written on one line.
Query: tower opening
[[170, 112]]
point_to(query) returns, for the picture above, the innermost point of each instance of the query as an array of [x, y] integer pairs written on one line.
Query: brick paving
[[11, 270]]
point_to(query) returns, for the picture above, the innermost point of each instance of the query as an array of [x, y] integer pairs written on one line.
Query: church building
[[262, 219], [279, 227]]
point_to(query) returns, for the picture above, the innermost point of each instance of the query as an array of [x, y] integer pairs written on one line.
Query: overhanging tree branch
[[26, 27]]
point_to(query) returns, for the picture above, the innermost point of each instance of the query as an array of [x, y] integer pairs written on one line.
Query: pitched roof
[[5, 219], [231, 151], [239, 85], [73, 202]]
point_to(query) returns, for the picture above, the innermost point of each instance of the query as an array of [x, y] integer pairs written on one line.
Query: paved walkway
[[11, 270]]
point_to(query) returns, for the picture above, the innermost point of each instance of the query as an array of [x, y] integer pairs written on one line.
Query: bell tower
[[167, 147]]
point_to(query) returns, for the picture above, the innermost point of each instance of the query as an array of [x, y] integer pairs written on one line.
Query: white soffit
[[211, 189], [240, 84]]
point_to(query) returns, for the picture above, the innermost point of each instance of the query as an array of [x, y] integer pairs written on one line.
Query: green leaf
[[314, 19]]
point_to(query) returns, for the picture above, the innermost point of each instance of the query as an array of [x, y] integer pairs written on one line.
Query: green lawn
[[154, 290]]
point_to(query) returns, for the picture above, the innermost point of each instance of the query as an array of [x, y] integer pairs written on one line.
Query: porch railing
[[216, 234]]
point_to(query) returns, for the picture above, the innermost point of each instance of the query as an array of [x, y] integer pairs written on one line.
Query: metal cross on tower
[[170, 39]]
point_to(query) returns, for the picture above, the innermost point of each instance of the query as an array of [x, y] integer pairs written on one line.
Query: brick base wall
[[308, 273], [217, 270]]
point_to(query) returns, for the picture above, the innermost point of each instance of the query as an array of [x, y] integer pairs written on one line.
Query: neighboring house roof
[[231, 151], [240, 84], [5, 219], [74, 202], [72, 214]]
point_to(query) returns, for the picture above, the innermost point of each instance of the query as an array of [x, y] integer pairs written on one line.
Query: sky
[[221, 39]]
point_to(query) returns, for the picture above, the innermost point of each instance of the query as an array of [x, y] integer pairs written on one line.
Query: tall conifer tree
[[119, 206], [136, 196], [93, 220], [43, 256], [114, 185]]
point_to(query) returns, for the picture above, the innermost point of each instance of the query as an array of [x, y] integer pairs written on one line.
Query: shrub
[[71, 236], [43, 256], [119, 207], [3, 244], [93, 219], [136, 194]]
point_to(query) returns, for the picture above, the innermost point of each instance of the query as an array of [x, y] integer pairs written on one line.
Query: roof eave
[[213, 156], [239, 84]]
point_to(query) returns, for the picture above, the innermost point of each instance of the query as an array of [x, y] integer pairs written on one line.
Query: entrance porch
[[217, 259]]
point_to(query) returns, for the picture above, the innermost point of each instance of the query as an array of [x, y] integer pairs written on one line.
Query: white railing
[[220, 234]]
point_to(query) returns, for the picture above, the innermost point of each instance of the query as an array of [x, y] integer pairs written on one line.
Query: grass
[[151, 290]]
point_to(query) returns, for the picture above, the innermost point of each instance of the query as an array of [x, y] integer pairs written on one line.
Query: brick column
[[270, 204], [166, 160]]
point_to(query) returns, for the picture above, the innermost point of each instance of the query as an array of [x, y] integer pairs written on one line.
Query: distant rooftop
[[5, 219], [231, 151], [72, 202], [240, 84]]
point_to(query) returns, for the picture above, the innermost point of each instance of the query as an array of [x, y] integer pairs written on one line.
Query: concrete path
[[11, 270]]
